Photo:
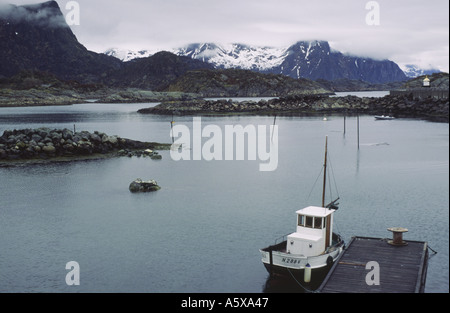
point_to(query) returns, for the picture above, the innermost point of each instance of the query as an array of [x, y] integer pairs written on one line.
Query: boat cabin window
[[310, 222], [318, 222], [301, 220]]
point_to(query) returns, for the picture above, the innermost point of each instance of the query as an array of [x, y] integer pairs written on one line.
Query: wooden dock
[[402, 268]]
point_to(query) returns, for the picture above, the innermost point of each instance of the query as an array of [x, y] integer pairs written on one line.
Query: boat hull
[[278, 262], [297, 277]]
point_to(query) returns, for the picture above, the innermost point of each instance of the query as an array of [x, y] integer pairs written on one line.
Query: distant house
[[435, 87]]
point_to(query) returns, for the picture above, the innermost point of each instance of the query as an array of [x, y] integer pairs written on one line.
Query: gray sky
[[409, 32]]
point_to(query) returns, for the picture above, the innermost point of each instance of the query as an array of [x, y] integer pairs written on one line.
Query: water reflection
[[282, 284], [286, 284]]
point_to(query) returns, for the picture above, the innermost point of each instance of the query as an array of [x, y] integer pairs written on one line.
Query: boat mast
[[171, 128], [325, 172]]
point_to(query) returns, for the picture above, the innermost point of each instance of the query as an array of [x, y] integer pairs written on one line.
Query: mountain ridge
[[37, 41], [414, 71], [37, 37], [304, 59]]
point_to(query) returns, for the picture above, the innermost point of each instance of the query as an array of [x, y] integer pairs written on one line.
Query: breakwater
[[399, 106], [46, 143], [422, 93]]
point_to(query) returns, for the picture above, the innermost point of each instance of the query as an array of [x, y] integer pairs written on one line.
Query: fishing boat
[[311, 250], [384, 117]]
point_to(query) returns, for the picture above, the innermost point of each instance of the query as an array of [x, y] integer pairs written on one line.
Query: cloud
[[409, 30], [43, 16]]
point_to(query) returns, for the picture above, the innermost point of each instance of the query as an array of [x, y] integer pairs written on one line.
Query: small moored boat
[[310, 251], [384, 117]]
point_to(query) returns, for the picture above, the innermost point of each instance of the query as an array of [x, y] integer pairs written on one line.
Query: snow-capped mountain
[[413, 71], [305, 59], [221, 56], [128, 55], [235, 56]]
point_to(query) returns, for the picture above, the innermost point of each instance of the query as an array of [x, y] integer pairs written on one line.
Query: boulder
[[49, 149], [96, 138], [156, 157], [67, 134], [21, 145], [143, 186], [36, 138], [110, 139], [43, 132]]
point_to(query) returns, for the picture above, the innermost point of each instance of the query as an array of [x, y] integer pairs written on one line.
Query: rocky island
[[399, 106], [402, 102], [45, 144]]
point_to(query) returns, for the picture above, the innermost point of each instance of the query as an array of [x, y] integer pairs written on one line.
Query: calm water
[[370, 94], [201, 232]]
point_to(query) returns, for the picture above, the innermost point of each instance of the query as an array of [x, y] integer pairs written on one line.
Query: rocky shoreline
[[43, 97], [30, 88], [44, 144], [399, 106]]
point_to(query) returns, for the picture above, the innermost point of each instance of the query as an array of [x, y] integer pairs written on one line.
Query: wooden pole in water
[[274, 123], [345, 117], [325, 172], [358, 132]]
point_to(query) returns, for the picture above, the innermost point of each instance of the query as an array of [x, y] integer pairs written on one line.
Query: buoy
[[307, 275]]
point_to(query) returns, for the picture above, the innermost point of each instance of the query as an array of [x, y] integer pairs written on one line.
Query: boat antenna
[[325, 172]]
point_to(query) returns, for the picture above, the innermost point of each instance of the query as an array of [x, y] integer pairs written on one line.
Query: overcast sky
[[409, 31]]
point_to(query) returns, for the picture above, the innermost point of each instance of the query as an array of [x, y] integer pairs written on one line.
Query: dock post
[[397, 239]]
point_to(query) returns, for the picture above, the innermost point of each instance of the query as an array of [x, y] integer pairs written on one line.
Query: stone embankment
[[402, 106], [46, 143]]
